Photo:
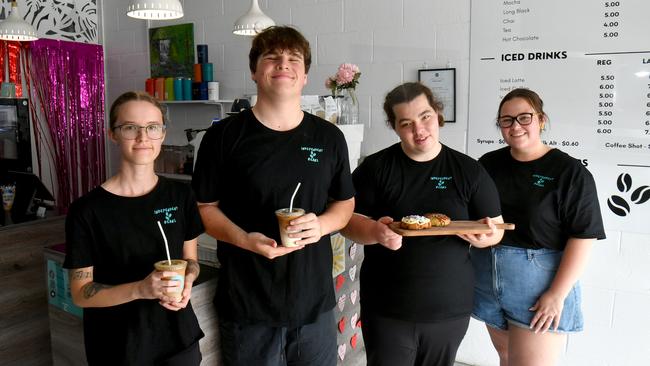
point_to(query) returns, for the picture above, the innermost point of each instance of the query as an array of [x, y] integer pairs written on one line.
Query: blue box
[[58, 288]]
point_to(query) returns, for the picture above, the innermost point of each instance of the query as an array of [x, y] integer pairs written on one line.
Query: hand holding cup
[[285, 216], [177, 268]]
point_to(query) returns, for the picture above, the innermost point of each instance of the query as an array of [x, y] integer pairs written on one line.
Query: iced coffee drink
[[284, 217], [178, 266]]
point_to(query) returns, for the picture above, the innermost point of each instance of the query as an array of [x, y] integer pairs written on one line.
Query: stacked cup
[[203, 75]]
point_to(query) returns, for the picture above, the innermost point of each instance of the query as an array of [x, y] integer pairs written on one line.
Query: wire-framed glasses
[[523, 119], [130, 131]]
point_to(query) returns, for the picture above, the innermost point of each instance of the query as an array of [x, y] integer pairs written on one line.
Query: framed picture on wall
[[171, 51], [442, 83]]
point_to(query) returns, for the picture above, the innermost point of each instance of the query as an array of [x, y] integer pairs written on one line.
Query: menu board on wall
[[589, 60]]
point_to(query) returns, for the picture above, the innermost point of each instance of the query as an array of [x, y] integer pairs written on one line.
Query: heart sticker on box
[[342, 325], [341, 302], [353, 341], [353, 250], [353, 297], [353, 272], [341, 351], [353, 320], [340, 280]]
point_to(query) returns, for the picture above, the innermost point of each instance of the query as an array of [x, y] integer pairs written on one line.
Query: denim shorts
[[509, 280]]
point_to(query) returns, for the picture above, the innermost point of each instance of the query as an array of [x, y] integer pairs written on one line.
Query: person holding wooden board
[[417, 291]]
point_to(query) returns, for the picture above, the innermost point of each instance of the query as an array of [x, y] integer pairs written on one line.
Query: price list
[[622, 100], [592, 70], [589, 60], [610, 20]]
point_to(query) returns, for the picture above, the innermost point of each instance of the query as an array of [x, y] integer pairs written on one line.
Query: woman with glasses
[[114, 236], [527, 289]]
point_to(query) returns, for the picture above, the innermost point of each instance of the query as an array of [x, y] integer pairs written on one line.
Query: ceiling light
[[155, 9], [253, 22], [15, 28]]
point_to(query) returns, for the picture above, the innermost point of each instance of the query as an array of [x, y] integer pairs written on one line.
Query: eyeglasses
[[131, 131], [523, 119]]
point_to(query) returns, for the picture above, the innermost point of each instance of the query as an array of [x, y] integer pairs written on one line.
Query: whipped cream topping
[[415, 219]]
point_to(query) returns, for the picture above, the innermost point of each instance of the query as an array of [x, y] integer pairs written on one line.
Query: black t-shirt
[[431, 277], [549, 200], [252, 171], [119, 237]]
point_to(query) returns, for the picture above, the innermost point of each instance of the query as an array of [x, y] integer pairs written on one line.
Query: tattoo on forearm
[[82, 275], [91, 289], [193, 267]]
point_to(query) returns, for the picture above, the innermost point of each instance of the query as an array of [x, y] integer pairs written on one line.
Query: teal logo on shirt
[[541, 180], [313, 153], [167, 214], [441, 182]]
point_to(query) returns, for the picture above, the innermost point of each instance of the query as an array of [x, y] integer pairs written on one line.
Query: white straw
[[169, 260], [292, 197]]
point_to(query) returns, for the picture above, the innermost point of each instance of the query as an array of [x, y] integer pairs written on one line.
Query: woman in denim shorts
[[527, 290]]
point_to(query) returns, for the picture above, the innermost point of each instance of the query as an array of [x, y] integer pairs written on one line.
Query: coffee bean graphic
[[618, 206], [624, 182], [641, 195]]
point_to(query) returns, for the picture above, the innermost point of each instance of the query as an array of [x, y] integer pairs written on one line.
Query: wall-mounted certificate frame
[[442, 83]]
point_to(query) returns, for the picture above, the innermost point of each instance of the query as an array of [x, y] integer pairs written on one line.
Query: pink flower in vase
[[346, 73], [346, 77]]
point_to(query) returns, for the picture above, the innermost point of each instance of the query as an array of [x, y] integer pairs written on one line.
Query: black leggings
[[393, 342]]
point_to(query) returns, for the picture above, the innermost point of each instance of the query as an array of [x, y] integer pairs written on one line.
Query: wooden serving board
[[455, 227]]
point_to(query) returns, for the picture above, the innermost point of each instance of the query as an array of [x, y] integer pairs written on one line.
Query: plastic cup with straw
[[285, 215], [169, 265]]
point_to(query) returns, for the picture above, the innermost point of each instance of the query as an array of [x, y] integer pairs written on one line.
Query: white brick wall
[[390, 40]]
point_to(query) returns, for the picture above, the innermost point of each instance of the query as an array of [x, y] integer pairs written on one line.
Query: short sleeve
[[484, 202], [205, 178], [364, 183], [194, 225], [342, 187], [583, 218], [79, 239]]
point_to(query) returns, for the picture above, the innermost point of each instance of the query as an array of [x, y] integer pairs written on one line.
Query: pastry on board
[[415, 222], [438, 219]]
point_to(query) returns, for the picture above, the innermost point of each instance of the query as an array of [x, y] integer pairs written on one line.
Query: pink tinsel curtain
[[66, 89]]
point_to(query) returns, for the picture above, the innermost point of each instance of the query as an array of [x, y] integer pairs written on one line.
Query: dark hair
[[529, 96], [134, 96], [407, 92], [279, 38]]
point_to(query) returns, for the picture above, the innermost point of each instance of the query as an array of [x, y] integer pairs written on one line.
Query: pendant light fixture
[[253, 22], [155, 9], [15, 28]]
